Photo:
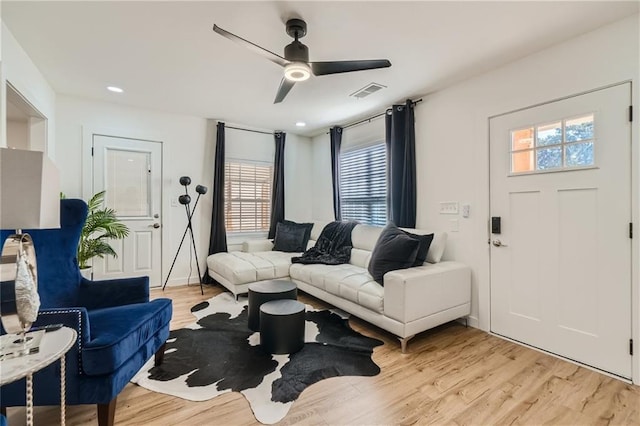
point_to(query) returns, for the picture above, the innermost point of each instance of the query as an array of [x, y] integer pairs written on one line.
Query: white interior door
[[130, 170], [561, 265]]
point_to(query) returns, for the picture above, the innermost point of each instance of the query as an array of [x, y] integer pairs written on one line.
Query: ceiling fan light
[[297, 71]]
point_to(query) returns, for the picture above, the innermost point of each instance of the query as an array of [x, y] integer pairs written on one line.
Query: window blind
[[247, 196], [363, 184]]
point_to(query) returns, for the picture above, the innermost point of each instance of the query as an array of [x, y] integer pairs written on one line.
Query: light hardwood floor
[[451, 375]]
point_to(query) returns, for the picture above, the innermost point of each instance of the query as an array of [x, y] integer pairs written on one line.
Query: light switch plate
[[448, 207], [454, 225], [466, 208]]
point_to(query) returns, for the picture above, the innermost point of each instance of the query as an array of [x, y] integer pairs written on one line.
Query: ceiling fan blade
[[283, 90], [336, 67], [254, 47]]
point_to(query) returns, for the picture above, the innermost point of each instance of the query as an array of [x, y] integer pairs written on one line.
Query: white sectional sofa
[[411, 301]]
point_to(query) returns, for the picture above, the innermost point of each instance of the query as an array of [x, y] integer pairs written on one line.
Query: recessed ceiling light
[[114, 89], [301, 124]]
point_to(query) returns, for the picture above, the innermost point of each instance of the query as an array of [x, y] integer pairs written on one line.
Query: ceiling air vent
[[367, 90]]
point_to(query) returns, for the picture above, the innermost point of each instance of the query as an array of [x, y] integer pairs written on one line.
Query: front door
[[560, 180], [130, 172]]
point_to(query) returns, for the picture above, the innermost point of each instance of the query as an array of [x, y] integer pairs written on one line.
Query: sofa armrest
[[414, 293], [252, 246], [109, 293]]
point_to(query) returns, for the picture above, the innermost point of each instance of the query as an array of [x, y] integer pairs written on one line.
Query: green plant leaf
[[102, 224]]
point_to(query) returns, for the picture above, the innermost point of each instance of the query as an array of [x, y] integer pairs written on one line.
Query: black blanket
[[333, 246]]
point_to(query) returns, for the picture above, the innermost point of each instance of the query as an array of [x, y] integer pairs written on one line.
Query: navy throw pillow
[[292, 237], [393, 250]]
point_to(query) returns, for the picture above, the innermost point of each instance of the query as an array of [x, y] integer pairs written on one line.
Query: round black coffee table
[[265, 291], [282, 326]]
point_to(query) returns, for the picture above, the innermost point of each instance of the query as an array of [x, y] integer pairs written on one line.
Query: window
[[247, 196], [363, 184], [558, 145]]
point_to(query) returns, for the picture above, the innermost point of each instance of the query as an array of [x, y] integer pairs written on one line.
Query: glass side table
[[53, 347]]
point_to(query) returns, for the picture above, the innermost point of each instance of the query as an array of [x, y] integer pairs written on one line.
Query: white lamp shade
[[29, 190]]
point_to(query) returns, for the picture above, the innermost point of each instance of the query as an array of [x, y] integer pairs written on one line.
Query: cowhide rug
[[219, 354]]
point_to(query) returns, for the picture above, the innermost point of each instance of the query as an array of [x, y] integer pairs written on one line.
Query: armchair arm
[[257, 245], [76, 318], [109, 293]]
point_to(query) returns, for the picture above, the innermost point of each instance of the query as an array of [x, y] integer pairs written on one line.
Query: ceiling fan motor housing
[[296, 52]]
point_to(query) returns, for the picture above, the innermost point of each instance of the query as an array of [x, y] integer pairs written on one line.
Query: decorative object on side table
[[102, 224], [29, 188]]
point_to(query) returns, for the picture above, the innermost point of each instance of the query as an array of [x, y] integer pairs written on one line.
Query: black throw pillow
[[292, 237], [423, 249], [393, 250], [307, 230]]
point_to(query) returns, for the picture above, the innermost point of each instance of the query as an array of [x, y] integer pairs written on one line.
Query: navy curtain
[[401, 165], [218, 237], [277, 190], [336, 140]]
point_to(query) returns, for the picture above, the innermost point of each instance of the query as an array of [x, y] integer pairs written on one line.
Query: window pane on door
[[549, 134], [579, 129], [549, 158], [522, 161], [579, 154], [127, 183], [522, 139]]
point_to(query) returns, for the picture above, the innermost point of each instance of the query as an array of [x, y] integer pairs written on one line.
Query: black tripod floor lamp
[[185, 200]]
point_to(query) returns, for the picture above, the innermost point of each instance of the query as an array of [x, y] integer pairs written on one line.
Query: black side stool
[[265, 291], [282, 326]]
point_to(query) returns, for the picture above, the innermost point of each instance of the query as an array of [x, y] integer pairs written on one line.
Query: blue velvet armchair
[[118, 328]]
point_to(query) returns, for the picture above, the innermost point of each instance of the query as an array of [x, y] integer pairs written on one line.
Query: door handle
[[156, 225], [498, 243]]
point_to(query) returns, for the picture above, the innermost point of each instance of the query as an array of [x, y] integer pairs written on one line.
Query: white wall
[[322, 204], [298, 179], [188, 150], [452, 140], [18, 69], [17, 134]]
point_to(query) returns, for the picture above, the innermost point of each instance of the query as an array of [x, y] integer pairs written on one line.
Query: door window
[[128, 182], [557, 145]]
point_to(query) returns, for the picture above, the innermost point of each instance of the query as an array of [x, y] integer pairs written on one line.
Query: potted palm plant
[[101, 226]]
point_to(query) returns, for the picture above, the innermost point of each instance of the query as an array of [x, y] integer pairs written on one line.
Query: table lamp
[[29, 199]]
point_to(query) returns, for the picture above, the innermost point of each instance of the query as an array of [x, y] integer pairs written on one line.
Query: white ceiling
[[166, 56]]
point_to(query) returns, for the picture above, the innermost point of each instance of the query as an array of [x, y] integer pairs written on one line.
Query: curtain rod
[[249, 130], [372, 117]]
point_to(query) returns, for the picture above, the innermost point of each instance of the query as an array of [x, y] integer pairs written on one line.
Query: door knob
[[498, 243], [156, 225]]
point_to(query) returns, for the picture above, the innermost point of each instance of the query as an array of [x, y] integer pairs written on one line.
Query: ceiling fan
[[296, 58]]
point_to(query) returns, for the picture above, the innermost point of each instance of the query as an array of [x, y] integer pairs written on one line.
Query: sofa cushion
[[347, 281], [395, 249], [240, 268], [291, 237], [117, 333]]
